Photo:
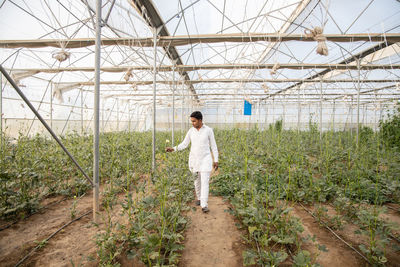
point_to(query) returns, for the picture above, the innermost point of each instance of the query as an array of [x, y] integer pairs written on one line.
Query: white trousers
[[202, 188]]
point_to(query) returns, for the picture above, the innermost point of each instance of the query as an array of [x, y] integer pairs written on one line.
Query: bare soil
[[18, 240], [349, 234], [73, 246], [338, 253], [212, 239]]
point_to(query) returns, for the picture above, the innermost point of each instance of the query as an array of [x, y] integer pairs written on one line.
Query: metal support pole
[[82, 111], [259, 114], [375, 109], [365, 118], [129, 117], [138, 115], [102, 114], [183, 102], [51, 105], [233, 116], [117, 115], [298, 110], [187, 106], [309, 116], [217, 117], [96, 131], [320, 109], [273, 110], [284, 112], [333, 115], [168, 120], [173, 105], [1, 112], [11, 81], [155, 33], [351, 116], [266, 115], [358, 100]]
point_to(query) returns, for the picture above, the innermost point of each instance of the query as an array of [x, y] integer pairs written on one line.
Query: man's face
[[195, 122]]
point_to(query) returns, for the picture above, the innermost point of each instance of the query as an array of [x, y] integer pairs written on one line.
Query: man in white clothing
[[200, 159]]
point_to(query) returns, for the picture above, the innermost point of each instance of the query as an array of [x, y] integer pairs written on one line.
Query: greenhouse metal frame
[[138, 65]]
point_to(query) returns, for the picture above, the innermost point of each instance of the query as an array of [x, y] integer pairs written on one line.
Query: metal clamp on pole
[[11, 81]]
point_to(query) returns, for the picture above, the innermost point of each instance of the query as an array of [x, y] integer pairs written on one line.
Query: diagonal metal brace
[[12, 82]]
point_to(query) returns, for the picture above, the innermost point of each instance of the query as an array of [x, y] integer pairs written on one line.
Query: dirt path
[[18, 240], [338, 254], [74, 245], [212, 239]]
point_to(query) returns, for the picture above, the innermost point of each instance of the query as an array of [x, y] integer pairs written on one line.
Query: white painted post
[[51, 105], [96, 132]]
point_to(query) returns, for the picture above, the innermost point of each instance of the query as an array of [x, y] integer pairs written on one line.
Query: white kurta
[[200, 159]]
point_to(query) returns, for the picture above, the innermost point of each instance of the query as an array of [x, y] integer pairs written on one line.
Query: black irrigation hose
[[389, 234], [40, 209], [33, 213], [389, 207], [259, 252], [48, 238], [336, 235], [394, 238]]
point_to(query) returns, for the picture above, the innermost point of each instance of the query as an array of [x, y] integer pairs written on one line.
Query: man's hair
[[197, 115]]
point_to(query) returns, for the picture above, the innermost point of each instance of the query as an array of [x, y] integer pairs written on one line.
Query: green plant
[[390, 128], [73, 208], [41, 244]]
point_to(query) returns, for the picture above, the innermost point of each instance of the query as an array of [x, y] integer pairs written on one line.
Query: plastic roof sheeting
[[67, 20]]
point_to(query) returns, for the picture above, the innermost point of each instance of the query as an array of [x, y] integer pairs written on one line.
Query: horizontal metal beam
[[350, 59], [62, 105], [166, 41], [296, 66], [151, 16], [230, 81], [258, 94], [282, 100]]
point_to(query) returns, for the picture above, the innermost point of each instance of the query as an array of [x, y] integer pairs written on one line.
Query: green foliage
[[260, 172], [303, 258], [278, 125], [73, 208], [390, 128], [269, 258], [41, 244], [366, 133], [154, 232], [263, 169], [34, 168]]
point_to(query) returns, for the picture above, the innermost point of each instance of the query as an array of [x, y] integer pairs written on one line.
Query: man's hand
[[215, 165], [169, 149]]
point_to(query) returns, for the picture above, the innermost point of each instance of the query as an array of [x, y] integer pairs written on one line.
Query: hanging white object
[[60, 89], [61, 55], [274, 68], [316, 34], [128, 74], [19, 75]]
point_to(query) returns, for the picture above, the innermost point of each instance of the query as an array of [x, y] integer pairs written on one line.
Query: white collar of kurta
[[202, 126]]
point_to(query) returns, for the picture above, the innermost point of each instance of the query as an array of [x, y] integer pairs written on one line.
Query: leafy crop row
[[265, 170]]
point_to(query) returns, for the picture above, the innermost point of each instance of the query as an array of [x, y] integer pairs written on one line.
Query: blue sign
[[247, 108]]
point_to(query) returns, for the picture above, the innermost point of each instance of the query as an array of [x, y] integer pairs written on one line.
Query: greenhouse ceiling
[[209, 51]]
